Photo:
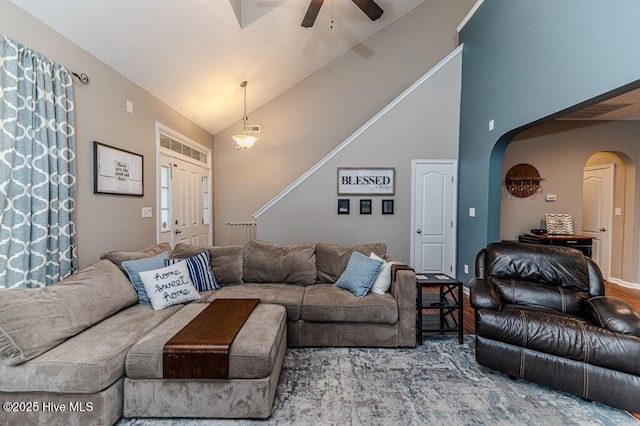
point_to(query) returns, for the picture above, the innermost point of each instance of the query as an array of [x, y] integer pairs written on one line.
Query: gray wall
[[526, 61], [104, 222], [424, 125], [560, 150], [308, 121]]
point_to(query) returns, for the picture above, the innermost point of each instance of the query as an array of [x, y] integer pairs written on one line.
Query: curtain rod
[[84, 79]]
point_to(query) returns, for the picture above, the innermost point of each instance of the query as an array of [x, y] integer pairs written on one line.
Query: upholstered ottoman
[[255, 361]]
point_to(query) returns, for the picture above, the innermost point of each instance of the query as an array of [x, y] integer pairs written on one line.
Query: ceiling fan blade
[[312, 13], [370, 8]]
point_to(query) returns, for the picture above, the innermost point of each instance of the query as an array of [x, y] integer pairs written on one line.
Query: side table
[[440, 310]]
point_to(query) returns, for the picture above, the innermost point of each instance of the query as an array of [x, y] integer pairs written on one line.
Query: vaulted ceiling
[[193, 54]]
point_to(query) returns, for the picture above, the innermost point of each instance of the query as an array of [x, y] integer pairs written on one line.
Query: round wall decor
[[523, 180]]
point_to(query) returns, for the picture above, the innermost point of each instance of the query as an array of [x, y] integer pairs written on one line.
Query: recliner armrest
[[483, 295], [613, 314]]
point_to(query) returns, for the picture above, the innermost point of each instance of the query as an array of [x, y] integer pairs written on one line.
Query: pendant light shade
[[244, 140]]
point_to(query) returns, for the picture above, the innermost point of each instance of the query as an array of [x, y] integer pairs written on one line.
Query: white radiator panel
[[238, 233]]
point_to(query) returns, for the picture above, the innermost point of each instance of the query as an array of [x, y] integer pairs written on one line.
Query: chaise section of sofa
[[63, 347]]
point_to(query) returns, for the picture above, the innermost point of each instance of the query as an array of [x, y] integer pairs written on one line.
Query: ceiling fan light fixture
[[244, 140]]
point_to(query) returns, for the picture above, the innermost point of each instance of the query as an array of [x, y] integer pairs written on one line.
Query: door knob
[[419, 231], [603, 229], [178, 231]]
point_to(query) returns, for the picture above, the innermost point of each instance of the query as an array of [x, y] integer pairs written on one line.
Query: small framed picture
[[343, 206], [116, 171], [387, 206], [365, 206]]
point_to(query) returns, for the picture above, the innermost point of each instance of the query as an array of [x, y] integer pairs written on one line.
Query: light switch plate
[[472, 212], [147, 212], [618, 211]]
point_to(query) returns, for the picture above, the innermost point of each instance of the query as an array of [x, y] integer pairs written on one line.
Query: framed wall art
[[117, 171], [365, 206], [387, 206], [343, 206], [366, 181]]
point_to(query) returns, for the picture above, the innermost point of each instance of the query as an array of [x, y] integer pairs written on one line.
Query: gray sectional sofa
[[301, 277], [66, 347]]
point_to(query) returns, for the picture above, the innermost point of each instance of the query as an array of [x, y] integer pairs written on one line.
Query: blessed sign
[[369, 181]]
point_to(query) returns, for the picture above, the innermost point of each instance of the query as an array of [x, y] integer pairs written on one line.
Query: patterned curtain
[[37, 169]]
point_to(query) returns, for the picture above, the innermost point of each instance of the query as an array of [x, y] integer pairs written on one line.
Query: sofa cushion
[[360, 274], [288, 295], [562, 335], [185, 251], [274, 263], [32, 321], [117, 256], [558, 266], [327, 303], [331, 260], [226, 261], [613, 314], [88, 362], [251, 355], [540, 295], [134, 267]]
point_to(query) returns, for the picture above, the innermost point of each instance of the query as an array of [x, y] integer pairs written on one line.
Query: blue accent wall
[[525, 62]]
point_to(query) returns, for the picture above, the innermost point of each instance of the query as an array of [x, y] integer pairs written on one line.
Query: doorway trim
[[161, 130]]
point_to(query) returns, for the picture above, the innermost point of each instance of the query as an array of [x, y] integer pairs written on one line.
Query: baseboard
[[623, 283]]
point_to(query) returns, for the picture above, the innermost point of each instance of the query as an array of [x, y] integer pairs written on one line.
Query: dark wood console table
[[581, 242]]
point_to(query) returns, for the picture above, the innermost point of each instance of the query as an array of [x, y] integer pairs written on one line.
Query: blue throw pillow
[[134, 267], [199, 271], [360, 273]]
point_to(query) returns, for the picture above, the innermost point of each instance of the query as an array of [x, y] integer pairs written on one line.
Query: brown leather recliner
[[541, 314]]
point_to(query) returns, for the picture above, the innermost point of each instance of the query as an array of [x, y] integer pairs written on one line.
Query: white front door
[[433, 223], [184, 211], [597, 208]]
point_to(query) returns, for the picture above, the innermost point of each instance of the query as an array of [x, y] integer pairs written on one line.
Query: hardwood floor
[[630, 296]]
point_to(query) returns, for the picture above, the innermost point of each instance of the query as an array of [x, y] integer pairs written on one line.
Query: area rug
[[438, 383]]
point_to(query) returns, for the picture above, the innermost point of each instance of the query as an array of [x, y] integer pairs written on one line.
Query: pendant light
[[244, 140]]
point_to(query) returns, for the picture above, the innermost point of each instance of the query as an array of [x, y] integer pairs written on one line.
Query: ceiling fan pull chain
[[331, 14]]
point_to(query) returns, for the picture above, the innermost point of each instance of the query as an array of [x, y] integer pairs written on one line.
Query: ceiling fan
[[369, 7]]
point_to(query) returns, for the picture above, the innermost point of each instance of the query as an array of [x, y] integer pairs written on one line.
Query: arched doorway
[[560, 150]]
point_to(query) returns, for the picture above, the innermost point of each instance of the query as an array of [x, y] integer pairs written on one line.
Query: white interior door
[[597, 208], [433, 216], [184, 202], [187, 203]]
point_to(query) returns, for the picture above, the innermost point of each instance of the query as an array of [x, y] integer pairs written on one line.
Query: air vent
[[252, 128], [594, 111]]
